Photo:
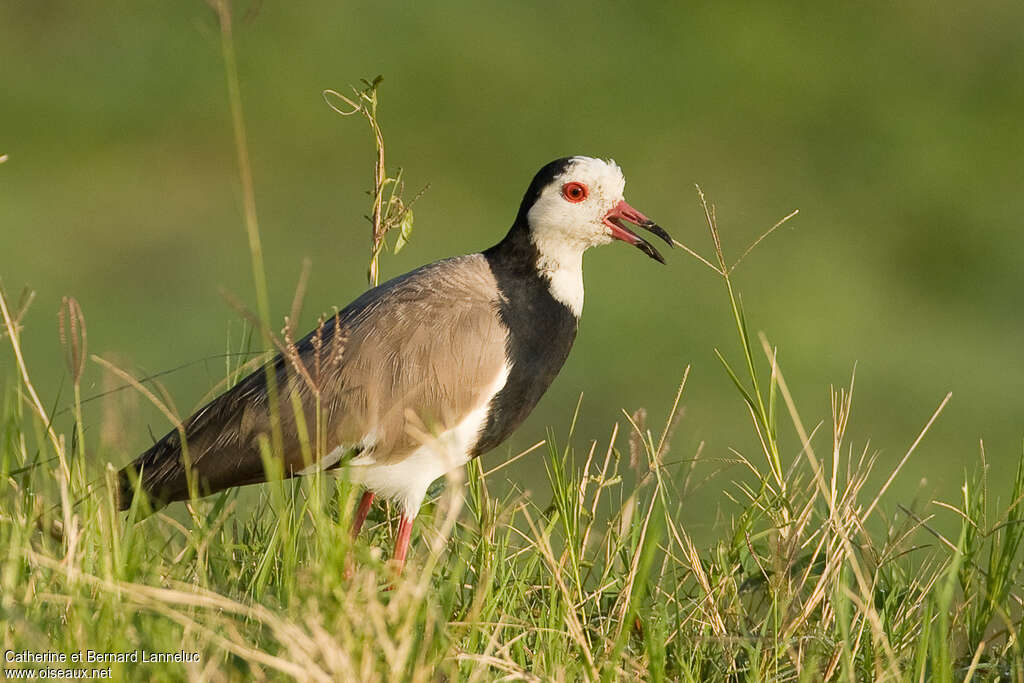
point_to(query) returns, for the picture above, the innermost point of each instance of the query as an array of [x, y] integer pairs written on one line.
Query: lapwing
[[433, 368]]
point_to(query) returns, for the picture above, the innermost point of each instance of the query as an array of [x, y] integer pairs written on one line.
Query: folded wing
[[404, 362]]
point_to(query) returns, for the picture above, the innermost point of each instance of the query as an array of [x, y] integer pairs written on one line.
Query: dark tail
[[222, 448], [158, 473], [124, 490], [220, 455]]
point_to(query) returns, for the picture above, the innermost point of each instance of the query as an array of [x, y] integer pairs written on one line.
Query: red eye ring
[[574, 192]]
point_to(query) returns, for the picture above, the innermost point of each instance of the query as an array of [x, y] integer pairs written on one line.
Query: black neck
[[541, 331], [516, 254]]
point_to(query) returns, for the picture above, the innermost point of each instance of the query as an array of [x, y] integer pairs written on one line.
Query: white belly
[[406, 482]]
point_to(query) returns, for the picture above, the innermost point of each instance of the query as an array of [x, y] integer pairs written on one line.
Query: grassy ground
[[812, 576], [814, 573]]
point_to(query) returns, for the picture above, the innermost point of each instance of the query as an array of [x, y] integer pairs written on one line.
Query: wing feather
[[419, 352]]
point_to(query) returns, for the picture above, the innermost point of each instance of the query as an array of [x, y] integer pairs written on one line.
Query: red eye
[[574, 192]]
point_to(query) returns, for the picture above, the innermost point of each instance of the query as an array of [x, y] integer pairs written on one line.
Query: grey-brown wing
[[418, 363], [409, 358]]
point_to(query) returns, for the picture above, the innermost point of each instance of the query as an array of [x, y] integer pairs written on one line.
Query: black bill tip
[[646, 247], [653, 227]]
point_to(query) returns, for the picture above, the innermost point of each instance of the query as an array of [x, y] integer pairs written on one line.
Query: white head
[[577, 203], [573, 204]]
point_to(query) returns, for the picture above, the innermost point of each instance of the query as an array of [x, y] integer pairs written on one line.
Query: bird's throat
[[560, 263]]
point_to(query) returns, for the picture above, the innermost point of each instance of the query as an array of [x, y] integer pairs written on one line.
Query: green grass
[[813, 576]]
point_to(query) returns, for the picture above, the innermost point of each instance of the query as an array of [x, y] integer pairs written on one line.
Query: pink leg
[[402, 542], [357, 524], [361, 512]]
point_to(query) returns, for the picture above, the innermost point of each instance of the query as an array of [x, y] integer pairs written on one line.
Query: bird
[[419, 375]]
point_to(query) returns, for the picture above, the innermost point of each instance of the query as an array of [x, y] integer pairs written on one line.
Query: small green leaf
[[736, 380], [405, 231]]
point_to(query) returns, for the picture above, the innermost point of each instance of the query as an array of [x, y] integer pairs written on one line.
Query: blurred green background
[[895, 128]]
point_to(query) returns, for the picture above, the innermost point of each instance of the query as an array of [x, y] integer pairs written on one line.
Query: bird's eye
[[574, 192]]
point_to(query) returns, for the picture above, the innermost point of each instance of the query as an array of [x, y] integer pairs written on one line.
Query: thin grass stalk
[[223, 9]]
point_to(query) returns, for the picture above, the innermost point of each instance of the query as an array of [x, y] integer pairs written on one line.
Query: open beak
[[624, 212]]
